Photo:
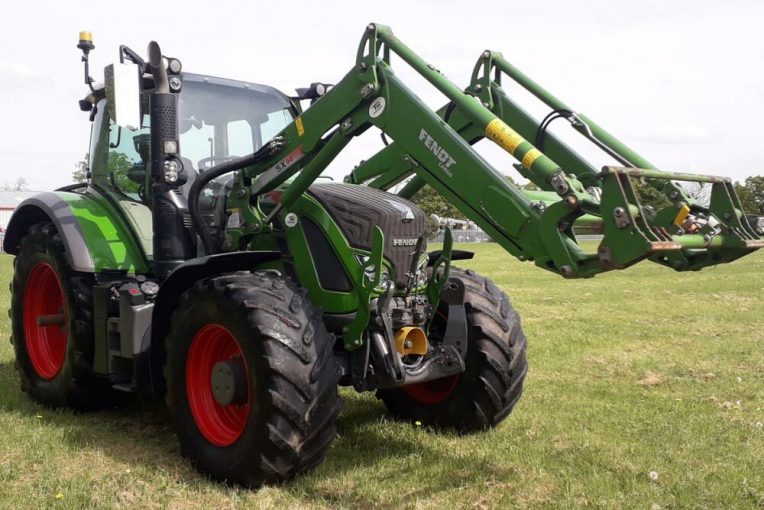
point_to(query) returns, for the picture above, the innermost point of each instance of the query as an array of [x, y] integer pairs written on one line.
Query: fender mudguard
[[95, 236]]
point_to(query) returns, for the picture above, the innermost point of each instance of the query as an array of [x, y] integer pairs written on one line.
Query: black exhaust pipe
[[173, 241]]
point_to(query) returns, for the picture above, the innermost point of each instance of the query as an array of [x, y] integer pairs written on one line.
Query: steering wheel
[[205, 164]]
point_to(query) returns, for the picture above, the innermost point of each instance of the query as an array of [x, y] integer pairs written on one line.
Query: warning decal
[[531, 156], [498, 131]]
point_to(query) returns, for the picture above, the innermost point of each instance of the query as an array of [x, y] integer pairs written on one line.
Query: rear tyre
[[51, 314], [251, 379], [495, 367]]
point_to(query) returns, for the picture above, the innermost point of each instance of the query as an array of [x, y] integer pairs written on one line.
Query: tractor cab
[[218, 120]]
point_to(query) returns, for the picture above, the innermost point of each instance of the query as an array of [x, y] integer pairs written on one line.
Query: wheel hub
[[229, 382], [217, 385]]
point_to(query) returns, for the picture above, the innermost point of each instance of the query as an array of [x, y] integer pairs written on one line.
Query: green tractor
[[205, 259]]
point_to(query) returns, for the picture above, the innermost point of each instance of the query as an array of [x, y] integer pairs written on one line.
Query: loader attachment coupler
[[684, 238]]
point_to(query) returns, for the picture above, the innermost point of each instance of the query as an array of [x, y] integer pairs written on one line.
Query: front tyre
[[495, 367], [251, 379]]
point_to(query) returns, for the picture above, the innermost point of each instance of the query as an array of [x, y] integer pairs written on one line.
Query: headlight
[[171, 170]]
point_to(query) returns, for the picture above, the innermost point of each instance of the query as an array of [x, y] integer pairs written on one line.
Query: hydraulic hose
[[196, 190], [213, 173], [553, 115]]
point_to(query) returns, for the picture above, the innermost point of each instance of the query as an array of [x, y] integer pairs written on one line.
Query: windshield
[[217, 119], [223, 119]]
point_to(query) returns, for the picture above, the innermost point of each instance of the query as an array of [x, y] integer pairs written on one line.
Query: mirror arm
[[125, 51]]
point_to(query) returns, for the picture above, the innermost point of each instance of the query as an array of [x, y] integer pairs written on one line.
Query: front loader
[[205, 258]]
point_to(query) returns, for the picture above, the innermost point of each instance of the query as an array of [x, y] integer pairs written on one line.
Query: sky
[[681, 82]]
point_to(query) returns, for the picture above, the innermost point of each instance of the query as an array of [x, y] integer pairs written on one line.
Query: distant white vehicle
[[757, 222]]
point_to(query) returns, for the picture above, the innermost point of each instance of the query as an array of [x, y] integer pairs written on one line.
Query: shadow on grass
[[141, 434]]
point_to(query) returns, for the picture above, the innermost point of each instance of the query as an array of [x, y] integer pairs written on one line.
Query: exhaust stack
[[172, 240]]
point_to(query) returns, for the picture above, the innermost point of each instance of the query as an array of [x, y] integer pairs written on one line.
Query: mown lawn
[[637, 373]]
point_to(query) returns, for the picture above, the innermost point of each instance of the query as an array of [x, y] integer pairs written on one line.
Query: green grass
[[631, 372]]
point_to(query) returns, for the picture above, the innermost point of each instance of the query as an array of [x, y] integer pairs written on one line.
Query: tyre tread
[[300, 400]]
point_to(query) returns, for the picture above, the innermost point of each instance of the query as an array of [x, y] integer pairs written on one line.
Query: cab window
[[118, 156], [220, 120], [128, 159]]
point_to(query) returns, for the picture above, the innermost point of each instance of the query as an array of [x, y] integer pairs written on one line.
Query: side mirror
[[123, 94]]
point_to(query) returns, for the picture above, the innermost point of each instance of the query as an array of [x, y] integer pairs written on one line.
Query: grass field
[[645, 390]]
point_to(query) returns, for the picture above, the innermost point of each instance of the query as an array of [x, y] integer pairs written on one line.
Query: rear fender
[[94, 235]]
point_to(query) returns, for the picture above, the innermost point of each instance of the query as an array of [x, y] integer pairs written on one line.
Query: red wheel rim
[[45, 320], [432, 392], [220, 425]]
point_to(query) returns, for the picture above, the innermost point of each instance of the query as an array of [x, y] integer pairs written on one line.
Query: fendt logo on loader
[[446, 161]]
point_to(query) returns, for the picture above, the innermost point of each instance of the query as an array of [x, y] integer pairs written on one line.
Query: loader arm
[[661, 234], [372, 95], [440, 154]]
